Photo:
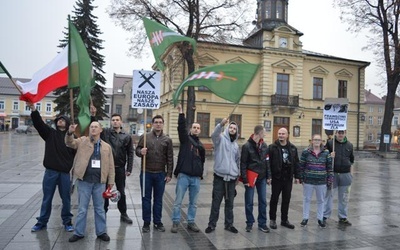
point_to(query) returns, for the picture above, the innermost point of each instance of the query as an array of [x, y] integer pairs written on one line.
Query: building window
[[370, 137], [371, 109], [395, 121], [15, 105], [379, 120], [342, 93], [39, 106], [107, 108], [204, 120], [370, 120], [27, 108], [380, 110], [118, 108], [238, 120], [2, 105], [316, 127], [282, 84], [48, 107], [317, 88]]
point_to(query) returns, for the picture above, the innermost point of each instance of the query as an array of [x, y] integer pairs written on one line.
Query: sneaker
[[104, 237], [287, 224], [272, 224], [304, 223], [231, 229], [344, 222], [159, 227], [193, 227], [209, 229], [146, 227], [38, 227], [174, 228], [68, 227], [125, 218], [264, 229], [75, 238], [249, 228], [321, 224]]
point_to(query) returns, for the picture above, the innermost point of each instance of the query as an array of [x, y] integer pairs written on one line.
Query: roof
[[8, 88], [370, 98]]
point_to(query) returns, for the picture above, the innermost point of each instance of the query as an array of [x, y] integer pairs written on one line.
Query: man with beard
[[284, 161]]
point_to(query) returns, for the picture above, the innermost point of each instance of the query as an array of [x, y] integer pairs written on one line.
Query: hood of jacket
[[226, 132], [66, 119]]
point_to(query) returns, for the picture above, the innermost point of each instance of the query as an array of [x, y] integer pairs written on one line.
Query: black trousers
[[120, 177], [279, 186]]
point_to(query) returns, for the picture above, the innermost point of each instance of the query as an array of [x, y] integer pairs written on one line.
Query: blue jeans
[[193, 184], [51, 180], [341, 185], [320, 191], [86, 190], [261, 186], [154, 183]]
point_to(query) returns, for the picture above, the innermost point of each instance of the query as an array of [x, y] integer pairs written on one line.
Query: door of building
[[280, 122], [14, 122]]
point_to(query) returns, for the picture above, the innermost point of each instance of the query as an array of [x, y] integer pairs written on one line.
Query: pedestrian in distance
[[255, 159], [159, 156], [284, 162], [226, 173], [58, 160], [315, 174], [93, 168], [189, 170], [122, 147], [343, 176]]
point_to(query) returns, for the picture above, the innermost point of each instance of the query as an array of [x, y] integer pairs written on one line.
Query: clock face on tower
[[283, 42]]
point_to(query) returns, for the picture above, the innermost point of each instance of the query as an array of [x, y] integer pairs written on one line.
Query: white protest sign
[[335, 113], [146, 89]]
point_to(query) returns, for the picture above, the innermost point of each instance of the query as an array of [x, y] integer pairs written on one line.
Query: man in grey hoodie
[[226, 173]]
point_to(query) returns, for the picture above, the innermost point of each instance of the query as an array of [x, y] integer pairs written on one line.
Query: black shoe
[[159, 227], [146, 227], [304, 223], [125, 218], [209, 229], [264, 229], [249, 228], [231, 229], [344, 222], [104, 237], [321, 224], [287, 224], [75, 238], [272, 224]]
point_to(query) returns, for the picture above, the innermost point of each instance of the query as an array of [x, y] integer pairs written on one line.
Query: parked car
[[23, 129]]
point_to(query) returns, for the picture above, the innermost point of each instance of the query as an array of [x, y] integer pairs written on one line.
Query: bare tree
[[381, 18], [192, 18]]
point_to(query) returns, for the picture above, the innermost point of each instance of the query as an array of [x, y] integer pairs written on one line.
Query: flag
[[228, 81], [53, 76], [160, 38], [3, 70], [80, 74]]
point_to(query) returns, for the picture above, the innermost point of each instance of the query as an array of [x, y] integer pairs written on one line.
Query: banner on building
[[146, 89], [335, 113]]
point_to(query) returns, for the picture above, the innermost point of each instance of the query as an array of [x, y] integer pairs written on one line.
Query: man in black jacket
[[58, 159], [255, 158], [122, 147], [189, 171], [284, 161]]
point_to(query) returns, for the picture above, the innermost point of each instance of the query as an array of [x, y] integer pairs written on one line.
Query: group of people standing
[[105, 158]]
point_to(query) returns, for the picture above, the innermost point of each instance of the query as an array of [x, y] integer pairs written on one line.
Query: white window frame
[[379, 120], [15, 105], [49, 107], [370, 120], [38, 106], [2, 105]]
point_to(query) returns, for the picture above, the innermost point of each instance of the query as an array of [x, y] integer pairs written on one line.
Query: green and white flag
[[161, 38], [228, 81]]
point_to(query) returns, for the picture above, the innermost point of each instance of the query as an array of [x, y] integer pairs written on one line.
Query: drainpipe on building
[[359, 103]]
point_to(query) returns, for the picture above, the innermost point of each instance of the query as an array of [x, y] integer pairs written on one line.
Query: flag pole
[[71, 104], [71, 92], [233, 110], [9, 76], [144, 157]]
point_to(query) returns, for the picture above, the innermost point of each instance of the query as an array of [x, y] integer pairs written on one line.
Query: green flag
[[80, 74], [3, 70], [228, 81], [161, 38]]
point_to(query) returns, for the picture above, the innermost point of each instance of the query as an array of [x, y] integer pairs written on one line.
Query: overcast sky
[[31, 31]]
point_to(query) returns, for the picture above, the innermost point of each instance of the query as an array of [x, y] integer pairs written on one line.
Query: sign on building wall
[[335, 113], [146, 89]]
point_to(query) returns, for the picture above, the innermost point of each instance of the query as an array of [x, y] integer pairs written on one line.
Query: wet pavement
[[374, 211]]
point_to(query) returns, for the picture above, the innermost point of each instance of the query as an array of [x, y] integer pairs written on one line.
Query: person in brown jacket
[[93, 167], [159, 155]]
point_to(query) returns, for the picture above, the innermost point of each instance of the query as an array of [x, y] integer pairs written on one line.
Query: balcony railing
[[285, 100]]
